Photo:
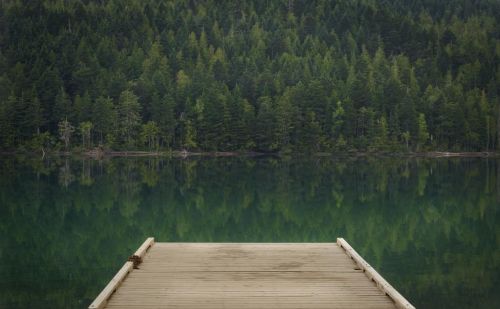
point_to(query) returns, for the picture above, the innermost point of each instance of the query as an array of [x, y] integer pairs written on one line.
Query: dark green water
[[430, 226]]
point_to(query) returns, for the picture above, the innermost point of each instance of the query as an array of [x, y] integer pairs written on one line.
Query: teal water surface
[[431, 227]]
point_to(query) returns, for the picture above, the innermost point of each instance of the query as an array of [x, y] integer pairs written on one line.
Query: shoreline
[[185, 154]]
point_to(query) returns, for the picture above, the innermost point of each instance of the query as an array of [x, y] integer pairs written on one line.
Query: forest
[[264, 76]]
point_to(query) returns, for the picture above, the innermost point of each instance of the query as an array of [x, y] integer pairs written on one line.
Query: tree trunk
[[487, 133], [498, 180], [498, 126]]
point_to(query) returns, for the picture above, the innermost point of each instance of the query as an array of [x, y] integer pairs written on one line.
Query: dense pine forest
[[267, 76]]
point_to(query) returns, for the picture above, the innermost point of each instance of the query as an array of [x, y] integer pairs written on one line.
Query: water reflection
[[430, 226]]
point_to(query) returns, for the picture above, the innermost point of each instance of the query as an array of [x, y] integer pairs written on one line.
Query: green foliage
[[423, 133], [405, 136], [149, 135], [189, 138], [128, 117], [66, 129], [381, 135], [85, 130], [163, 114], [104, 117], [7, 126], [40, 142], [309, 76], [62, 107]]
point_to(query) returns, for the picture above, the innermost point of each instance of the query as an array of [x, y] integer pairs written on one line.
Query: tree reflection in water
[[431, 226]]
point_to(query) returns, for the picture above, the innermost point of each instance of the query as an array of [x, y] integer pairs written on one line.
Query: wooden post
[[371, 273], [136, 258], [144, 247]]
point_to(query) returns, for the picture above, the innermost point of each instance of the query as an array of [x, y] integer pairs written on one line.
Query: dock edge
[[373, 275], [101, 300]]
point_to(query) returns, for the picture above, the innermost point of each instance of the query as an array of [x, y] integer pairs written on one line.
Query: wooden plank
[[372, 274], [148, 243], [136, 258], [103, 297]]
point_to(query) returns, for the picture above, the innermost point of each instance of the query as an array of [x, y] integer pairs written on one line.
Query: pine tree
[[185, 62], [265, 131], [62, 107], [82, 107], [104, 117], [128, 116], [150, 134], [85, 129], [66, 129], [423, 133], [8, 133], [189, 138], [164, 116]]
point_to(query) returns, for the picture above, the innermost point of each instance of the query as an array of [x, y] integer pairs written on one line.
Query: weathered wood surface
[[248, 275], [372, 274], [144, 247], [106, 293], [102, 299]]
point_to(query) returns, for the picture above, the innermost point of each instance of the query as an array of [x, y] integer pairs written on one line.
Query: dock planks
[[248, 275]]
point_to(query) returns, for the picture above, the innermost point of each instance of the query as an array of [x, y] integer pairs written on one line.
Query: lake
[[431, 227]]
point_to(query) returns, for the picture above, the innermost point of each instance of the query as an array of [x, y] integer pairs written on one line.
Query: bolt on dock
[[248, 275]]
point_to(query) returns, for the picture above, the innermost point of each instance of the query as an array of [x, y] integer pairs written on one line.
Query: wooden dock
[[248, 275]]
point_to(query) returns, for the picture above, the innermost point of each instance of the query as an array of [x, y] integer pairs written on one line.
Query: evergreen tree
[[7, 124], [66, 129], [189, 138], [265, 131], [82, 108], [104, 118], [164, 116], [254, 77], [85, 129], [62, 107], [423, 133], [150, 134], [128, 116]]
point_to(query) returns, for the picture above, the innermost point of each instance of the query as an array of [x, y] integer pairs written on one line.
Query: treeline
[[250, 75]]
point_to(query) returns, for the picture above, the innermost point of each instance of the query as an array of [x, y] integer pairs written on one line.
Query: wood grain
[[248, 275]]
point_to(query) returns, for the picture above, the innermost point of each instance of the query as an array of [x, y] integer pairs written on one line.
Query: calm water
[[431, 227]]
